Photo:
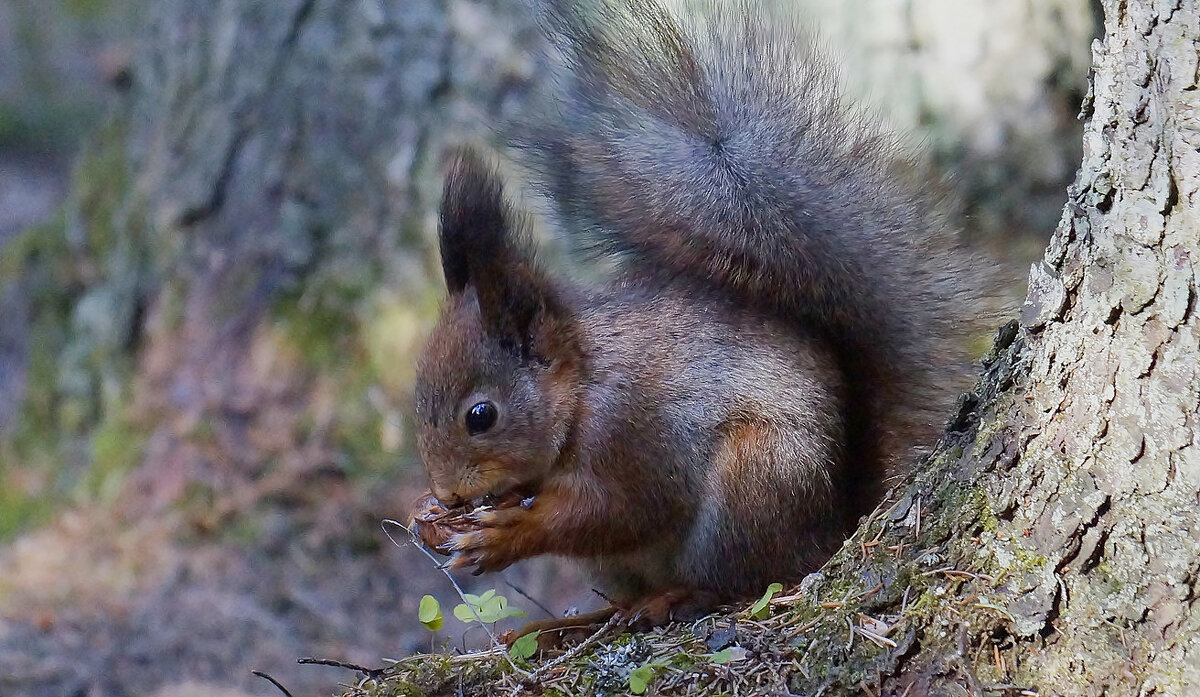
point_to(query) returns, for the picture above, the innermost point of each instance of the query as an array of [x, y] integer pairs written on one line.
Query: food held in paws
[[435, 524]]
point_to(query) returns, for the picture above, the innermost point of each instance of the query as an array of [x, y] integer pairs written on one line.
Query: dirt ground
[[93, 606]]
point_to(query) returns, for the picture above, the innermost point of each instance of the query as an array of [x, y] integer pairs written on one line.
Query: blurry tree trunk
[[991, 88], [288, 153], [248, 248]]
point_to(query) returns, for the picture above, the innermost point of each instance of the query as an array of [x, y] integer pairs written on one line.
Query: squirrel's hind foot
[[556, 632], [645, 614], [677, 605]]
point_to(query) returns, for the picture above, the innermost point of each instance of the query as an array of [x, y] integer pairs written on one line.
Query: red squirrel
[[783, 330]]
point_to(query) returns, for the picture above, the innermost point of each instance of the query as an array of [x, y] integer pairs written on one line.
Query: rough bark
[[1064, 522], [1108, 475]]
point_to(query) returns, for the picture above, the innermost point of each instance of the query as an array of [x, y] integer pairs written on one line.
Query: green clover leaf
[[430, 613]]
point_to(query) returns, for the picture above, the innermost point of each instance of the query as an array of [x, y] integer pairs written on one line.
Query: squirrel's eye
[[481, 417]]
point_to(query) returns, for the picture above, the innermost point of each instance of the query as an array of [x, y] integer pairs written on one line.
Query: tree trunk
[[1089, 461], [1094, 475]]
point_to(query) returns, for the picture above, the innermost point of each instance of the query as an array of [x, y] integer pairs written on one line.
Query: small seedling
[[759, 609], [430, 613], [488, 608], [502, 603], [525, 647]]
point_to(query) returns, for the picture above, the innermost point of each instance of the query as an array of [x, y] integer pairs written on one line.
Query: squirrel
[[784, 329]]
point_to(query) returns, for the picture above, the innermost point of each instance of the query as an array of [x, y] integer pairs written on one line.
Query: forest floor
[[92, 603]]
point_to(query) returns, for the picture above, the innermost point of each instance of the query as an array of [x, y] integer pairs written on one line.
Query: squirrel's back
[[716, 151]]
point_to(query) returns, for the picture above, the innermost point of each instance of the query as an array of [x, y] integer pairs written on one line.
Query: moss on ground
[[40, 260], [364, 345], [117, 446]]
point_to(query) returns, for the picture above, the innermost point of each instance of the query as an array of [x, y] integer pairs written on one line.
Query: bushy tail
[[716, 149]]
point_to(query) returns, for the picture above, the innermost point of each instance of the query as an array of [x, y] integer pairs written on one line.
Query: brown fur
[[685, 436], [777, 341]]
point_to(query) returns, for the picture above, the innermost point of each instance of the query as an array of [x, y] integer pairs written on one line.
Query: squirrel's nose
[[448, 497]]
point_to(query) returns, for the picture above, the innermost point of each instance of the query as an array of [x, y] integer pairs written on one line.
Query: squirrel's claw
[[470, 549], [495, 518], [668, 606], [489, 547]]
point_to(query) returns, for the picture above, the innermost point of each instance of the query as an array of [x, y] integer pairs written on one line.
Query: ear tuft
[[484, 246], [474, 218]]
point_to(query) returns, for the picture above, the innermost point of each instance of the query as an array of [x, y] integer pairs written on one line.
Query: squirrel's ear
[[473, 217], [484, 247]]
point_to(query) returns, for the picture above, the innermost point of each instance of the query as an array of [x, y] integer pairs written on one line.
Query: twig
[[579, 648], [785, 599], [407, 661], [877, 639], [457, 588], [804, 627], [271, 680], [372, 673], [527, 596], [958, 573], [760, 625]]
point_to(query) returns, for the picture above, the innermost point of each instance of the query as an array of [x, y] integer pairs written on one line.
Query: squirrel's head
[[497, 380]]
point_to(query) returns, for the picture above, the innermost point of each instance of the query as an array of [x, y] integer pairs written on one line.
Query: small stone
[[720, 639]]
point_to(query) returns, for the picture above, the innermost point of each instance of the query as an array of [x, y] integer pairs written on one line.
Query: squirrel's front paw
[[502, 536]]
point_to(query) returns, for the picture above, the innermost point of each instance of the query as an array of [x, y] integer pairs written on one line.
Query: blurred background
[[217, 261]]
